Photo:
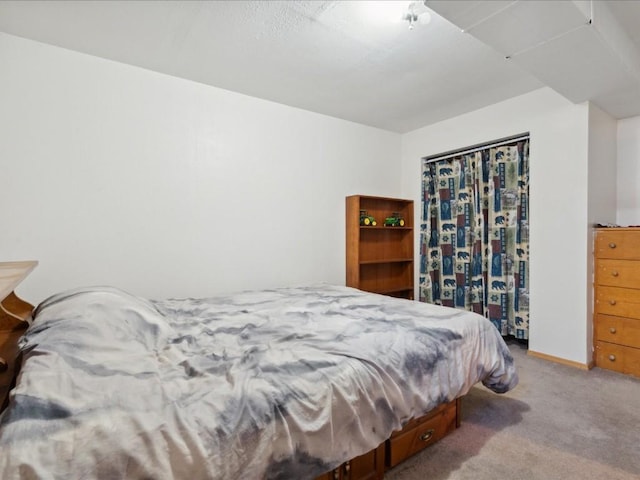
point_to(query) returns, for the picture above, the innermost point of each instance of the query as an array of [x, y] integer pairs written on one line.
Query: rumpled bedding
[[278, 384]]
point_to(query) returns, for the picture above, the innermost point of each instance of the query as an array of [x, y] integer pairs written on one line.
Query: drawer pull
[[614, 273], [336, 474], [426, 436], [612, 330], [612, 302], [612, 357], [612, 245], [347, 467]]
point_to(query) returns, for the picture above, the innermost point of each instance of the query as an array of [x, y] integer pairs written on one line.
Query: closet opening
[[474, 232]]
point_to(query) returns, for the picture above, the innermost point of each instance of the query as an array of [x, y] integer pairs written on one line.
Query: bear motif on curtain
[[474, 235]]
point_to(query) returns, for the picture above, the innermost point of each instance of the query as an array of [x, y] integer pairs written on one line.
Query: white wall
[[113, 174], [558, 210], [629, 171], [602, 190]]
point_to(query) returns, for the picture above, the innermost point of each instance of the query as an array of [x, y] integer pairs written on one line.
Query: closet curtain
[[475, 235]]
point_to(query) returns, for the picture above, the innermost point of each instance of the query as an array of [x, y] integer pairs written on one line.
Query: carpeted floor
[[560, 422]]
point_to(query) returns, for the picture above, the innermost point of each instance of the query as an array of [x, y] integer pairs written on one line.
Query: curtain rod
[[475, 148]]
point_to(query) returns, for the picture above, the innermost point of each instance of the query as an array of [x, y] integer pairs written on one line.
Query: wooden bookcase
[[380, 258]]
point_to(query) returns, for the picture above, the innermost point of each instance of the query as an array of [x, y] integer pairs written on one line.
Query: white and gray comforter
[[279, 384]]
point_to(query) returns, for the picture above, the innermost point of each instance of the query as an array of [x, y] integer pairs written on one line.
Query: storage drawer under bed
[[422, 432]]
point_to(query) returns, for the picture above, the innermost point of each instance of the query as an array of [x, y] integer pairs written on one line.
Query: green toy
[[395, 220], [366, 219]]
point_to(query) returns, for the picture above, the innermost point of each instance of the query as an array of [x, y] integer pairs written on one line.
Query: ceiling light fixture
[[416, 13], [394, 11]]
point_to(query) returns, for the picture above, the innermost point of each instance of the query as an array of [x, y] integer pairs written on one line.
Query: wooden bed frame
[[416, 435], [15, 317], [14, 313]]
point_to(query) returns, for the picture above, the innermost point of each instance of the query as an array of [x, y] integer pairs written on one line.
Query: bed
[[287, 383]]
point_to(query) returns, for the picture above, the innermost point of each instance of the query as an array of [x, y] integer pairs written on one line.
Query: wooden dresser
[[617, 299]]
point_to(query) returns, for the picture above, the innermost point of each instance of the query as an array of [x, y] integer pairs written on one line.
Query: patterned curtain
[[475, 235]]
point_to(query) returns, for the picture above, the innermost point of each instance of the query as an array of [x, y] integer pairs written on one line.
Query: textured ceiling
[[325, 56]]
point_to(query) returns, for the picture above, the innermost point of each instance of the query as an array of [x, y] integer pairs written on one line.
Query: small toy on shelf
[[366, 219], [395, 220]]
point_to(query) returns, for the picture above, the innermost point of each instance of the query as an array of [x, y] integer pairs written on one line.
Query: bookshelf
[[380, 258]]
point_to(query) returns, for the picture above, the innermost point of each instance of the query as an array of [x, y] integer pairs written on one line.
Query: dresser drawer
[[620, 302], [618, 358], [623, 331], [420, 433], [618, 273], [614, 243]]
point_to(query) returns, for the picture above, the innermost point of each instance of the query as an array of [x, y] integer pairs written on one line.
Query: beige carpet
[[559, 423]]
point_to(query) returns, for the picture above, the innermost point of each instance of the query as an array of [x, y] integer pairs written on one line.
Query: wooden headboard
[[15, 317]]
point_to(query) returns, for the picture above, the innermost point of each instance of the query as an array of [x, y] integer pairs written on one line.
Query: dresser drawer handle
[[426, 436], [347, 467], [612, 245], [612, 357], [614, 273], [612, 302], [336, 474], [612, 330]]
